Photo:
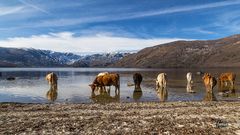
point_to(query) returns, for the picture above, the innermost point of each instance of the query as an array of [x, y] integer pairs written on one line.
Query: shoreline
[[218, 117]]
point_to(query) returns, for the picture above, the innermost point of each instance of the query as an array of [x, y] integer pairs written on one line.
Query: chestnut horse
[[52, 78], [209, 82], [106, 80], [226, 77]]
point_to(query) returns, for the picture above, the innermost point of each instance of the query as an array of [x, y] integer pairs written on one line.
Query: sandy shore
[[121, 118]]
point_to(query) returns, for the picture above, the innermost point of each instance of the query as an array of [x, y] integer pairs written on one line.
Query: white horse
[[161, 81], [189, 82], [102, 73]]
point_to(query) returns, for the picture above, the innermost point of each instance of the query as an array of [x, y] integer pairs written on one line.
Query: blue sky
[[109, 25]]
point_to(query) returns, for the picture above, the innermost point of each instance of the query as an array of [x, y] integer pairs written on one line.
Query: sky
[[113, 25]]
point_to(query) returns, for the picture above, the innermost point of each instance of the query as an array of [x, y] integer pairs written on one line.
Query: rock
[[11, 78], [199, 73]]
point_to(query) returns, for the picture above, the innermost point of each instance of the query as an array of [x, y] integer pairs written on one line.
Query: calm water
[[30, 85]]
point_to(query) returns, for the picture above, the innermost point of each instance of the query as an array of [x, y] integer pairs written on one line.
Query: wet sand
[[121, 118]]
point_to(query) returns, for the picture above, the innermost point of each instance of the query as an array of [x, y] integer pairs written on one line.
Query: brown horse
[[224, 78], [106, 80], [52, 78], [209, 82]]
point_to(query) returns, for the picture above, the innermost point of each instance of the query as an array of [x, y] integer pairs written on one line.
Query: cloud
[[34, 6], [229, 21], [182, 9], [10, 10], [67, 42], [199, 30], [132, 15]]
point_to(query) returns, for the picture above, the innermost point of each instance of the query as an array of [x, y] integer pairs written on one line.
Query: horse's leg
[[116, 88], [221, 86], [209, 88], [157, 85], [232, 86], [108, 91], [187, 86]]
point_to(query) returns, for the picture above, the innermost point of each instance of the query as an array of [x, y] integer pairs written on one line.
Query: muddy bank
[[121, 118]]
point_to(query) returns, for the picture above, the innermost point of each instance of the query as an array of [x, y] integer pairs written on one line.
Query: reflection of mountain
[[22, 57], [209, 53]]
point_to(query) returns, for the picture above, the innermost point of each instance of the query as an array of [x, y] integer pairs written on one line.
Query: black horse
[[137, 78]]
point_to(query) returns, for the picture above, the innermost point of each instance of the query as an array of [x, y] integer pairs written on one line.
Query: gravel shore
[[121, 118]]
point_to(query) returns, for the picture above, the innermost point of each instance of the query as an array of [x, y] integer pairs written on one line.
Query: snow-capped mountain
[[99, 60], [29, 57]]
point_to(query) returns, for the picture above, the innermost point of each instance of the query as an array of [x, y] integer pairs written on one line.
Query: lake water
[[30, 85]]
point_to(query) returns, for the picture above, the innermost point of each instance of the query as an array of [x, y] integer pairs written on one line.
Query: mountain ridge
[[30, 57], [221, 52]]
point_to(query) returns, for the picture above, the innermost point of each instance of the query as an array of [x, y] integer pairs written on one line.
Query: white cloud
[[34, 6], [10, 10], [183, 9], [67, 42], [199, 30], [228, 21], [132, 15]]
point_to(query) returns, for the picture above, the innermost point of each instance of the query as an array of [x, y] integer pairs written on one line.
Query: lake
[[30, 85]]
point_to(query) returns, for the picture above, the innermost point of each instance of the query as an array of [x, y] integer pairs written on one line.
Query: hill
[[29, 57], [99, 60], [25, 57], [222, 52]]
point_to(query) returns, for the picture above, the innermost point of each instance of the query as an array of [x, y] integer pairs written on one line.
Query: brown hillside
[[223, 52]]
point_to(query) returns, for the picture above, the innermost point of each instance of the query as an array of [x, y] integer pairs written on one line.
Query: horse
[[106, 80], [224, 78], [189, 82], [52, 78], [137, 78], [209, 82], [161, 80]]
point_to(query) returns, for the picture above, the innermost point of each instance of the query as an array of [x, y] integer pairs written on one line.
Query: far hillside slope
[[224, 52]]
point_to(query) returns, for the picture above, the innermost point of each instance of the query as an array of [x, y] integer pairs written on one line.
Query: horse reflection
[[52, 93], [225, 89], [104, 96], [137, 93], [209, 96], [162, 93]]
